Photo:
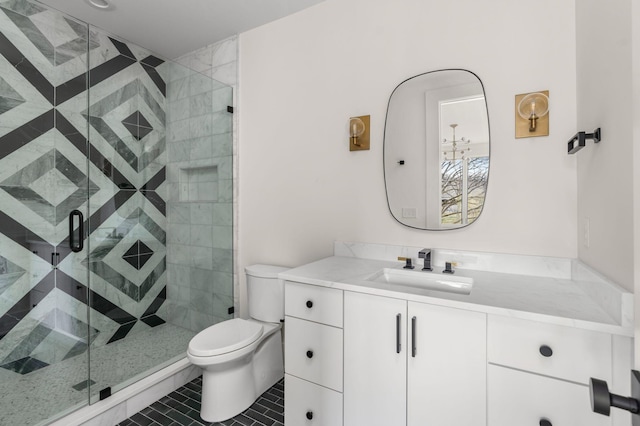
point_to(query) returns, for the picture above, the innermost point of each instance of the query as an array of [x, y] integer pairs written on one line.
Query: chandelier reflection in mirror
[[450, 154]]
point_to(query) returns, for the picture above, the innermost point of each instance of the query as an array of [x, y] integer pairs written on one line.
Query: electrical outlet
[[409, 212], [586, 232]]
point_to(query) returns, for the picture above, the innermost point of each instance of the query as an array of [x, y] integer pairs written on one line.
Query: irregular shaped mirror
[[436, 150]]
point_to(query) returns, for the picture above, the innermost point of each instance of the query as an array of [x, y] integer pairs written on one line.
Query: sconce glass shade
[[356, 127], [100, 4], [532, 107]]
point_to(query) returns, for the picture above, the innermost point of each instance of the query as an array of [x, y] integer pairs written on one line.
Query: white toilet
[[241, 358]]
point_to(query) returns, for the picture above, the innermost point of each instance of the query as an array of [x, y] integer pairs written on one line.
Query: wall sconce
[[359, 133], [532, 114]]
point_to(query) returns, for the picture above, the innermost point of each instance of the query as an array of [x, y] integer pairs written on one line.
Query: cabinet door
[[375, 363], [447, 371]]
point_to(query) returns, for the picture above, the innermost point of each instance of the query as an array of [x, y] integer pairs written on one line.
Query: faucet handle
[[448, 268], [408, 260]]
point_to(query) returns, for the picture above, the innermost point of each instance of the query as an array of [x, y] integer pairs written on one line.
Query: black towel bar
[[578, 141]]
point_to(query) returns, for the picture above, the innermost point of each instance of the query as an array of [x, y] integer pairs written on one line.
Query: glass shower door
[[139, 149], [44, 331]]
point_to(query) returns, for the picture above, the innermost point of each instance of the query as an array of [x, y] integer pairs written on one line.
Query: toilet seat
[[225, 337]]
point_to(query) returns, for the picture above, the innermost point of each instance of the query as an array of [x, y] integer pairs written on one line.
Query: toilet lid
[[226, 336]]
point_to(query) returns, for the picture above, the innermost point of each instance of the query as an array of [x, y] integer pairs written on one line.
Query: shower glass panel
[[44, 324], [160, 136], [140, 150]]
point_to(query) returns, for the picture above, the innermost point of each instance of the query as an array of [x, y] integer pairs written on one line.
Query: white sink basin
[[426, 280]]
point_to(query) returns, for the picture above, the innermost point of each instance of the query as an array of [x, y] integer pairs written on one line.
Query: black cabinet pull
[[309, 354], [310, 415], [309, 304], [398, 330], [545, 422], [546, 351], [414, 346], [76, 246]]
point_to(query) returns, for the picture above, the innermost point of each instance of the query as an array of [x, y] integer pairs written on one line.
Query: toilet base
[[235, 386], [226, 394]]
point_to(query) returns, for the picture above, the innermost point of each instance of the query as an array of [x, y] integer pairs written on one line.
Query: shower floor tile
[[28, 399], [182, 408]]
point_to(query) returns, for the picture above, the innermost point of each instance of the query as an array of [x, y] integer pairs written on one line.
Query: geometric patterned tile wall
[[61, 150]]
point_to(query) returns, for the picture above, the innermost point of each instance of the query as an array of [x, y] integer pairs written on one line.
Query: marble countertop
[[550, 300]]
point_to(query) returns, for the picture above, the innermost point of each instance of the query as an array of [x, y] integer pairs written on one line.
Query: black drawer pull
[[310, 415], [309, 354], [545, 422], [546, 351], [309, 304]]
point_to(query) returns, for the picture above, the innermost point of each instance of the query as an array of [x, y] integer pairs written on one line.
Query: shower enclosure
[[115, 212]]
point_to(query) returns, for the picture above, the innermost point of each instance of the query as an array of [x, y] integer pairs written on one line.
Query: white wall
[[303, 76], [605, 170]]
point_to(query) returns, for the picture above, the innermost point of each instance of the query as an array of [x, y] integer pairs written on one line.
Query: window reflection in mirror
[[464, 159], [436, 150]]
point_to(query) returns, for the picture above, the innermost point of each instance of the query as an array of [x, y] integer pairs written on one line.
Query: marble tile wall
[[200, 181], [56, 155]]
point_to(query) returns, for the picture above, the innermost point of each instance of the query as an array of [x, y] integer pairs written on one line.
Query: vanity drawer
[[314, 352], [520, 398], [563, 352], [313, 303], [304, 399]]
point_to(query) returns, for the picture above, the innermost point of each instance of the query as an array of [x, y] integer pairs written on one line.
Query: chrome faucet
[[426, 255]]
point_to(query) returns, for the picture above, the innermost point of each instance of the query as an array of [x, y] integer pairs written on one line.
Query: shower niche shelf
[[199, 183]]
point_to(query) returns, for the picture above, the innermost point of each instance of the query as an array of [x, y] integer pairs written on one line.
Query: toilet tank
[[265, 292]]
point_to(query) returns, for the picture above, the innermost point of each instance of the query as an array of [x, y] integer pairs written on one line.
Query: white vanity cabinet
[[313, 355], [368, 354], [412, 363]]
